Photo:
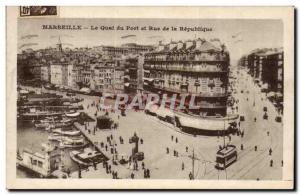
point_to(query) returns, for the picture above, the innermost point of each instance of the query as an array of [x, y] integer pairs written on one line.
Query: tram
[[226, 156]]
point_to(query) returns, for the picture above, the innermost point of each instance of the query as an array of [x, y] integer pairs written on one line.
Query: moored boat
[[72, 143], [87, 157], [72, 114], [41, 125], [68, 133]]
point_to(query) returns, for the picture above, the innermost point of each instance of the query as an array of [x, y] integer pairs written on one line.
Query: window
[[40, 164], [34, 162]]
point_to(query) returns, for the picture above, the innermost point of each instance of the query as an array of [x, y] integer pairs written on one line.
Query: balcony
[[214, 105], [208, 68], [201, 94], [197, 58]]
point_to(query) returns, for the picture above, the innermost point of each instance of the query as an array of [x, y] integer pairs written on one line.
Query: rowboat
[[68, 133], [72, 143], [41, 125], [72, 114], [59, 137], [87, 157]]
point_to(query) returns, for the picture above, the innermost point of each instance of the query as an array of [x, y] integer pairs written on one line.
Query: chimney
[[198, 43], [172, 45], [160, 46], [189, 44], [179, 45]]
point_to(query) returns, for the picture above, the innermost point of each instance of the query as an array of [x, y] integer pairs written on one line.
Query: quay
[[92, 139]]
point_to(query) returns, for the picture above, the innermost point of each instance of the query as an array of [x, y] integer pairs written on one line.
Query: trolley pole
[[193, 164]]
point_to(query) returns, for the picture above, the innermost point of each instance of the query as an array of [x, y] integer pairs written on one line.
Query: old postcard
[[150, 97]]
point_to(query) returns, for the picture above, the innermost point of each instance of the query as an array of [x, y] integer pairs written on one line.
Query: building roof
[[206, 46]]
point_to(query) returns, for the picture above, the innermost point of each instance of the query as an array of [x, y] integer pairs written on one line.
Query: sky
[[239, 35]]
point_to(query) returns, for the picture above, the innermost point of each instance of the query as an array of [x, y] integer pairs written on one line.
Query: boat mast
[[224, 135]]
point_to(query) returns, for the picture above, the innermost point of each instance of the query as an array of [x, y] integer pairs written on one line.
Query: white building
[[56, 74], [45, 73]]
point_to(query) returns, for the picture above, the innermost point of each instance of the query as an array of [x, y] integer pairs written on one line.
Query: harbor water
[[31, 138]]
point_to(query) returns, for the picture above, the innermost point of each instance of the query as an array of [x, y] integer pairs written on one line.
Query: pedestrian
[[255, 148], [186, 149], [109, 168], [95, 165], [190, 175], [106, 168], [254, 119], [270, 152], [143, 165], [176, 140], [106, 147], [271, 163], [182, 166], [79, 172], [89, 131], [242, 147], [132, 175], [174, 152], [116, 175], [167, 150], [145, 173], [142, 141], [172, 137], [242, 134], [268, 133], [111, 150], [148, 173], [118, 117], [281, 163], [111, 136], [68, 172]]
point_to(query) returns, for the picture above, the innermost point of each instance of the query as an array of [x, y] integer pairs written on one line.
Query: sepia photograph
[[187, 99]]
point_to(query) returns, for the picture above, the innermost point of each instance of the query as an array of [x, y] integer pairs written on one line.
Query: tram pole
[[193, 164]]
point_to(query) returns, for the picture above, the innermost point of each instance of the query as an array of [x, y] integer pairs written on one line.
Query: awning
[[126, 84], [163, 112], [148, 79], [147, 71], [87, 90], [271, 94], [264, 86], [24, 91], [278, 94]]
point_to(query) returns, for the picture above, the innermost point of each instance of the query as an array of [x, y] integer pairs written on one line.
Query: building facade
[[45, 73], [196, 67], [266, 67], [107, 77]]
